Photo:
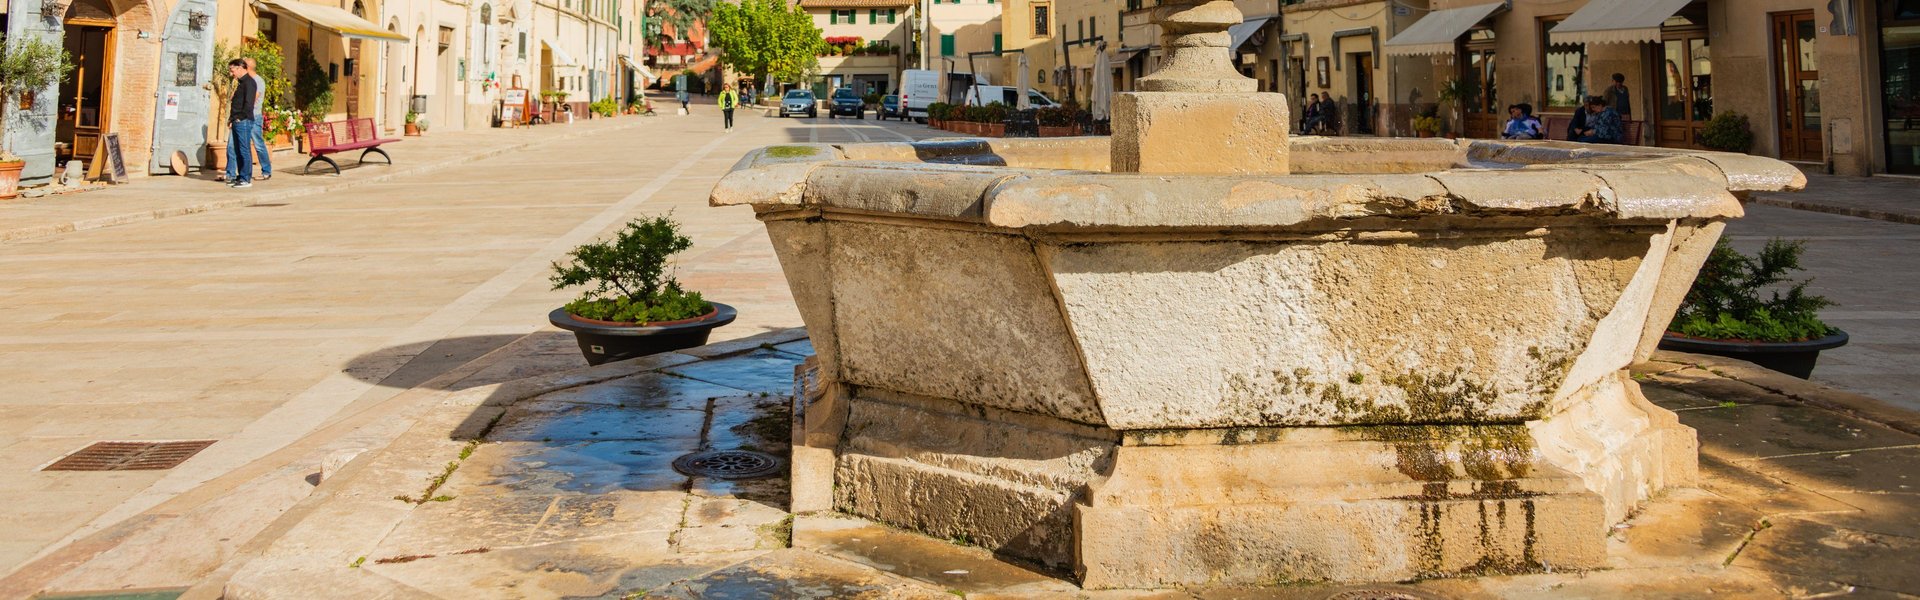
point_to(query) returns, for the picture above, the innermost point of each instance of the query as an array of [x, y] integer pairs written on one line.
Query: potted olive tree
[[632, 307], [1724, 314], [27, 66]]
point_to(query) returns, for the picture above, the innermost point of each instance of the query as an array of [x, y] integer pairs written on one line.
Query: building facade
[[867, 43]]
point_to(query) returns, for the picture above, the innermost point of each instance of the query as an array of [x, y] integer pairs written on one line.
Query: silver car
[[799, 102]]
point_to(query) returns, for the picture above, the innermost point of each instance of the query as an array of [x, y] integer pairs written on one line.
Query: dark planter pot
[[1793, 358], [603, 343]]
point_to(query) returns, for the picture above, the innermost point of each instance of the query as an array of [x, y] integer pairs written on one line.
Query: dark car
[[847, 102], [890, 108]]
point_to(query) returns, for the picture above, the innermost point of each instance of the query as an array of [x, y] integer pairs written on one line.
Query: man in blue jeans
[[260, 152], [242, 127]]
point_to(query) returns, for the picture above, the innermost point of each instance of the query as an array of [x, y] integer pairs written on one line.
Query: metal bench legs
[[383, 154], [325, 159]]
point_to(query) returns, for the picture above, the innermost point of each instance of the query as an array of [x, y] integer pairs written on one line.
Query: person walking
[[261, 153], [240, 124], [728, 101]]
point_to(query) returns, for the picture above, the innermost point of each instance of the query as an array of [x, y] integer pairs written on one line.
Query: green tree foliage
[[626, 277], [312, 90], [680, 15], [1725, 301], [28, 66], [763, 37]]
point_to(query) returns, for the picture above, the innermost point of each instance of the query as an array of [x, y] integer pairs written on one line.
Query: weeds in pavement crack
[[1763, 525], [433, 485]]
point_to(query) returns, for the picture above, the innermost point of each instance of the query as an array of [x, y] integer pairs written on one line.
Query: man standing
[[240, 123], [728, 101], [259, 121], [1617, 97]]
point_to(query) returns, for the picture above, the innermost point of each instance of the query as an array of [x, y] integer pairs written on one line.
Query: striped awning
[[332, 19], [1436, 32], [1616, 21]]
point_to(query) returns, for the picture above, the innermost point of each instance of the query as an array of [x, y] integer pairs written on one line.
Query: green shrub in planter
[[940, 110], [1725, 301], [626, 277], [1728, 131]]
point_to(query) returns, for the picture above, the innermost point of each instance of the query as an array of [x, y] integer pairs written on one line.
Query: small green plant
[[940, 110], [28, 67], [1427, 124], [357, 562], [412, 117], [626, 278], [1728, 404], [1725, 301], [1728, 131], [605, 107]]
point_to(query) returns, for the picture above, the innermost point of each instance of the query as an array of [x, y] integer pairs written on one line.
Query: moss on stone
[[792, 151]]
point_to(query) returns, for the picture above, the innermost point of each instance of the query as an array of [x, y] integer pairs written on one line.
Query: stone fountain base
[[1180, 507]]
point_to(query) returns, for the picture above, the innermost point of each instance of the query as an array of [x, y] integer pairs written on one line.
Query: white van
[[982, 95], [919, 88]]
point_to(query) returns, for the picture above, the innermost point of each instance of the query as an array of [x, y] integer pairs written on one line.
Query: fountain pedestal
[[1161, 360]]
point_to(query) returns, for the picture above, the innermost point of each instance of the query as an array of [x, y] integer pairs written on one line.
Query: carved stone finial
[[1194, 33]]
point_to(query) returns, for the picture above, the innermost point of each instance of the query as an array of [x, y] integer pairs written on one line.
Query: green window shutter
[[833, 17], [996, 42], [873, 16], [946, 44], [890, 15]]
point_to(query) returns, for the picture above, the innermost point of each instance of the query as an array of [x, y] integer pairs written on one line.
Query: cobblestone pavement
[[257, 326], [1872, 269]]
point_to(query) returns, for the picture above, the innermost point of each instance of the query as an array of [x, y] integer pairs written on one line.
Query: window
[[270, 28], [1041, 26], [996, 44], [946, 44], [1080, 29], [873, 16], [523, 45], [1092, 27], [1135, 4], [891, 15], [1563, 70]]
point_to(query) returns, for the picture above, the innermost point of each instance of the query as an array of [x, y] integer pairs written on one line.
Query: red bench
[[332, 137]]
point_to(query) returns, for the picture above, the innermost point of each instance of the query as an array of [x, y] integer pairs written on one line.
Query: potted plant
[[1727, 131], [1451, 92], [632, 307], [1426, 126], [1724, 315], [413, 123], [26, 67]]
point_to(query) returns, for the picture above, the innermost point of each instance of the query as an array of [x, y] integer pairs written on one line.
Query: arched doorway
[[86, 97]]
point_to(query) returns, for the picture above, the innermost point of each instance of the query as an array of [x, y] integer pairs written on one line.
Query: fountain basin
[[1402, 359]]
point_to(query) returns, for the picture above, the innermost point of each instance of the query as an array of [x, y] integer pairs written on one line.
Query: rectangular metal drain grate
[[130, 456]]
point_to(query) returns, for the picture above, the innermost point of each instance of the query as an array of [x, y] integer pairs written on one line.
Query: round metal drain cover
[[728, 464], [1378, 594]]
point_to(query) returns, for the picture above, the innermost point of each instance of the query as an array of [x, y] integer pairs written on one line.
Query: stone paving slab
[[1801, 494], [1881, 198], [164, 196]]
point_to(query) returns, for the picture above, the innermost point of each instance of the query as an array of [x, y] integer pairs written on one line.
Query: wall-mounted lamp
[[54, 8], [197, 20]]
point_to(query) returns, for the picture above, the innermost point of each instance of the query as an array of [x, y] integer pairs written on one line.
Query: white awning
[[1245, 30], [561, 58], [332, 19], [1616, 21], [1436, 32]]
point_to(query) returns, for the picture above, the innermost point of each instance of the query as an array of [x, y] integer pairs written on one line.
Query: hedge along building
[[869, 69], [132, 58], [1822, 82]]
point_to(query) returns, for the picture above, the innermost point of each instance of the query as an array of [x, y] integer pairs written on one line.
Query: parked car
[[890, 108], [799, 102], [845, 101], [919, 88]]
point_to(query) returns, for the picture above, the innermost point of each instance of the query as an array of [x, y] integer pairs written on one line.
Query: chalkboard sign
[[107, 160]]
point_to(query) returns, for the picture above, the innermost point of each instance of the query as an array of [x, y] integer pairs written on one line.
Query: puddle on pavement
[[544, 421], [758, 371], [646, 390], [790, 574], [587, 468]]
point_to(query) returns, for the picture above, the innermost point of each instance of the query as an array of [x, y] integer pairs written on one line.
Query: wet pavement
[[570, 491]]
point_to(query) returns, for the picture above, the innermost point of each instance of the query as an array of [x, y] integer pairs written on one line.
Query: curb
[[1849, 211], [176, 211], [1801, 390]]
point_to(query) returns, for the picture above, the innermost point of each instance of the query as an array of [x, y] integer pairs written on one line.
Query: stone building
[[884, 32], [341, 38], [1825, 83], [963, 36], [139, 70]]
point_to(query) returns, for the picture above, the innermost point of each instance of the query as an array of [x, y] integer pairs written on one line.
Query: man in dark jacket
[[241, 125]]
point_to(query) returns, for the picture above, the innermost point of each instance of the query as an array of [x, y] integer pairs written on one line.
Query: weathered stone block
[[1200, 133]]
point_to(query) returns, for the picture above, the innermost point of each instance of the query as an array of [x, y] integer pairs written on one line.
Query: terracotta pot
[[413, 129], [1424, 134], [996, 129], [280, 141], [1058, 131], [219, 158], [10, 178]]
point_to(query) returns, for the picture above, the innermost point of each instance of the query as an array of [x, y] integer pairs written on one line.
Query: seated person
[[1603, 126], [1310, 115], [1521, 124]]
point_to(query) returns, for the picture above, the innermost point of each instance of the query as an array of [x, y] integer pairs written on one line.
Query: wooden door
[[88, 108], [1797, 86], [1683, 99], [1362, 121], [1481, 114], [353, 79]]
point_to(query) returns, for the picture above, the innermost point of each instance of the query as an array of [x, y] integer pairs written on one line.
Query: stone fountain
[[1205, 352]]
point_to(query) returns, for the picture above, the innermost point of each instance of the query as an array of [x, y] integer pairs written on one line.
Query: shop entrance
[[1797, 86], [86, 95], [1685, 98], [1363, 102], [1900, 85]]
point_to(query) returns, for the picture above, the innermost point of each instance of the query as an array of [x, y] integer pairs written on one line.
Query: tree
[[763, 37], [680, 15]]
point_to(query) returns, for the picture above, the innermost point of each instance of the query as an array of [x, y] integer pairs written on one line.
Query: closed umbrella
[[1102, 85], [1023, 102]]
